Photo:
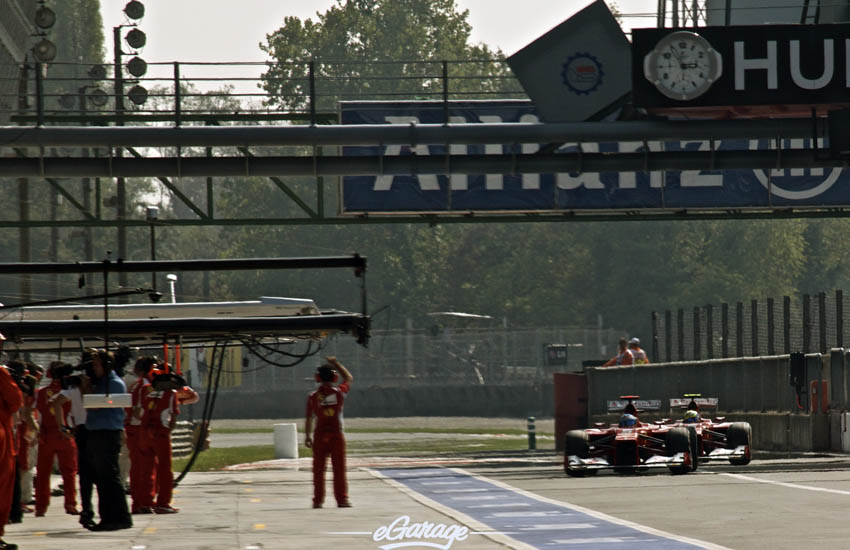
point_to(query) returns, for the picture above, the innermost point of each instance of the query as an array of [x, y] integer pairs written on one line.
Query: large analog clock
[[683, 65]]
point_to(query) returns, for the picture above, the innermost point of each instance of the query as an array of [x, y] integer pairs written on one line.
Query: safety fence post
[[754, 327], [668, 335], [697, 355], [739, 329], [771, 343], [839, 319], [786, 323], [709, 331], [655, 337], [680, 329], [807, 323], [822, 322], [532, 436]]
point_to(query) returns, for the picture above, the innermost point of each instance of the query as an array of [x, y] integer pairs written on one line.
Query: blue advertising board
[[606, 191]]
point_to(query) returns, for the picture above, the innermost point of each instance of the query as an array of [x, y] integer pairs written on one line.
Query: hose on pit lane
[[209, 404]]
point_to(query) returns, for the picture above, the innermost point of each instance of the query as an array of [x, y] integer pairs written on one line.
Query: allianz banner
[[586, 192]]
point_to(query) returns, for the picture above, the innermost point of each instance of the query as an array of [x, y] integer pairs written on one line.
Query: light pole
[[151, 215]]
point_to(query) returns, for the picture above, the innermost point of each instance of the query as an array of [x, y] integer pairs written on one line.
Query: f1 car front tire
[[679, 441], [575, 444], [739, 433]]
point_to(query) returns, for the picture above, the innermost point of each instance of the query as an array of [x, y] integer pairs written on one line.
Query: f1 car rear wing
[[617, 405], [702, 402]]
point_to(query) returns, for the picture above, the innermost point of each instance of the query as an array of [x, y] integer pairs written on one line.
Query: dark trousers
[[16, 515], [103, 448], [84, 469]]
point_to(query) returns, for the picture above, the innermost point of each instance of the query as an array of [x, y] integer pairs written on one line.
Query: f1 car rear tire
[[575, 443], [679, 441], [739, 433]]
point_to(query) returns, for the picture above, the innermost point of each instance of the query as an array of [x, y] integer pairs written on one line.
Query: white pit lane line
[[786, 484], [479, 528]]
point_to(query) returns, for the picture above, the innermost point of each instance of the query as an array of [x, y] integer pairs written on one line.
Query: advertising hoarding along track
[[579, 192]]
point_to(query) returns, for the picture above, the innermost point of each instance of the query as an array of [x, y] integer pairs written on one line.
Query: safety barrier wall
[[756, 384]]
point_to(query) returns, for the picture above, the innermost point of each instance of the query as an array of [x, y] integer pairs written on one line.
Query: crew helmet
[[628, 420], [691, 417]]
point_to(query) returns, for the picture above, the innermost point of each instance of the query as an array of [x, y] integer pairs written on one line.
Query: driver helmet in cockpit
[[628, 421], [691, 417]]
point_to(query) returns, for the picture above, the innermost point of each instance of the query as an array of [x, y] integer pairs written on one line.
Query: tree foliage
[[374, 49]]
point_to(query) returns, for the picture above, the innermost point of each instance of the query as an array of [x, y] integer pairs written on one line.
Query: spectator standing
[[623, 357], [325, 404], [640, 357]]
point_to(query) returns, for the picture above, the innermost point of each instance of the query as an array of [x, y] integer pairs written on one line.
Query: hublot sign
[[789, 65]]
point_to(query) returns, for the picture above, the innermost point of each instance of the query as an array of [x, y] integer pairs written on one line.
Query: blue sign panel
[[607, 191]]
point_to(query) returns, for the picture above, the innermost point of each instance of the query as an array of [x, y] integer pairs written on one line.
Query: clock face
[[682, 66]]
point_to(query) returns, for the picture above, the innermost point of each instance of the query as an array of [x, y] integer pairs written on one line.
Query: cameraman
[[105, 428], [10, 401]]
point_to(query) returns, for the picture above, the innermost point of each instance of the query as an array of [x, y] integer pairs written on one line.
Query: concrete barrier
[[285, 441]]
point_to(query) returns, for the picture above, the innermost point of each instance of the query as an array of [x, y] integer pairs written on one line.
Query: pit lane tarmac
[[778, 504]]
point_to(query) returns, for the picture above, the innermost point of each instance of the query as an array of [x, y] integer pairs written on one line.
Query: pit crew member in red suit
[[139, 444], [25, 431], [10, 401], [52, 443], [160, 416], [326, 405]]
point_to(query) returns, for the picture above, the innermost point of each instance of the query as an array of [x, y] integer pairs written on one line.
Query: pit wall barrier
[[749, 389]]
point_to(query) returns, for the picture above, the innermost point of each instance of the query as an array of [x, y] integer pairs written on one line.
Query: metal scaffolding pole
[[356, 134], [413, 164]]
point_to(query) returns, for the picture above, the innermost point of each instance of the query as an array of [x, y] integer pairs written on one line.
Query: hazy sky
[[224, 30]]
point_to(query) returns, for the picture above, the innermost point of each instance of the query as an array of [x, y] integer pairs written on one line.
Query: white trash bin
[[285, 441]]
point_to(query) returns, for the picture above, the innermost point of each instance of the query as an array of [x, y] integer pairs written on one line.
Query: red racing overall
[[326, 405], [140, 447], [10, 401], [51, 443], [161, 411]]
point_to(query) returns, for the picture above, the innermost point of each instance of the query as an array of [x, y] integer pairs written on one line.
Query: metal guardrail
[[184, 438]]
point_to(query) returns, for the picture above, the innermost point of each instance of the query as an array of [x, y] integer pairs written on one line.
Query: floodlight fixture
[[44, 51], [98, 97], [134, 10], [137, 66], [97, 72], [136, 39], [67, 101], [45, 17], [137, 94]]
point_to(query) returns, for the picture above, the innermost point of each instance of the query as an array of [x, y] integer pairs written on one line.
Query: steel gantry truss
[[330, 138]]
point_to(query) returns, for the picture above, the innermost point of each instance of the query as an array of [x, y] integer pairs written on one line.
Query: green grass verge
[[218, 458]]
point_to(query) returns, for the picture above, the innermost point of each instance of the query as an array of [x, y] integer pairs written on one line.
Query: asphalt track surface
[[519, 501]]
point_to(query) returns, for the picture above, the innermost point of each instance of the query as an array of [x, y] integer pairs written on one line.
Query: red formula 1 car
[[628, 446], [716, 439]]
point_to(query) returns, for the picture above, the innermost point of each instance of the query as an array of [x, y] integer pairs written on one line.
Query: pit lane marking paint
[[501, 505], [789, 485], [149, 530], [525, 534], [259, 526]]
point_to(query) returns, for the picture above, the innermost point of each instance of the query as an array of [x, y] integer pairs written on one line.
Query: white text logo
[[401, 530]]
